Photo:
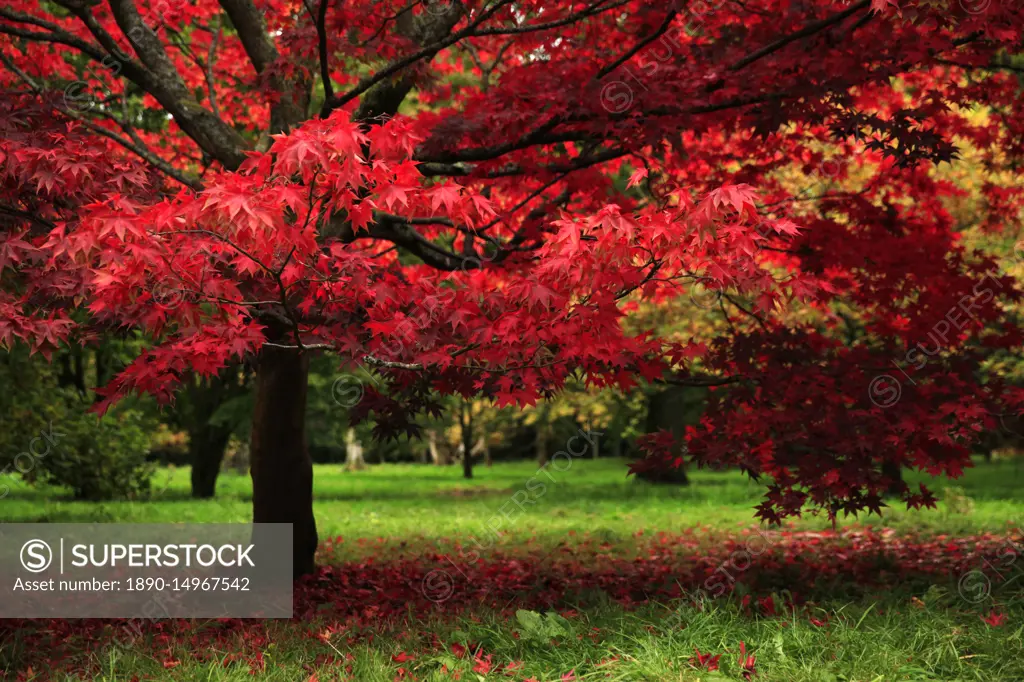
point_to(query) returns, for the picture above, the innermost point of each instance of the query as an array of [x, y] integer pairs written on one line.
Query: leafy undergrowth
[[852, 605]]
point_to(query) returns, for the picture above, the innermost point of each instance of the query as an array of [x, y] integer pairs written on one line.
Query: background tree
[[354, 460], [204, 409]]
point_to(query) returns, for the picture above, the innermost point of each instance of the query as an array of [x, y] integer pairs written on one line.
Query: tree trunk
[[206, 448], [542, 445], [466, 424], [207, 442], [282, 471], [894, 473], [438, 452], [354, 460], [72, 369]]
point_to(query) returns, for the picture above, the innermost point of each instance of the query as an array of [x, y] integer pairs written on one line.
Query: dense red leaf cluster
[[466, 196]]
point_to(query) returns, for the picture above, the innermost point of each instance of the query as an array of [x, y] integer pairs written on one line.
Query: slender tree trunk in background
[[466, 424], [207, 442], [72, 369], [894, 472], [438, 453], [282, 471], [542, 445], [354, 460], [206, 446]]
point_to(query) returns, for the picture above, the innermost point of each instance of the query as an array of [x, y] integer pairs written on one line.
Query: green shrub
[[100, 459], [49, 435], [957, 501]]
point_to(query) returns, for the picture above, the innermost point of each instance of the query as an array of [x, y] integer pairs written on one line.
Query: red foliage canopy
[[438, 190]]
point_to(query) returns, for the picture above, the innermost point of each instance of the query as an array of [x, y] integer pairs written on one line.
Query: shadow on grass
[[761, 575]]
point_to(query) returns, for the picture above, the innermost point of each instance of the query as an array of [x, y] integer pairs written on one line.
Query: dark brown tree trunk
[[894, 473], [207, 441], [282, 471], [72, 369], [206, 448]]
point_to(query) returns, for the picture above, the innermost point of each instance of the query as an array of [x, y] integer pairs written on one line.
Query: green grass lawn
[[591, 531], [418, 502]]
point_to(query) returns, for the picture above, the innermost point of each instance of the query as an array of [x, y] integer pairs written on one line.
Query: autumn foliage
[[472, 197]]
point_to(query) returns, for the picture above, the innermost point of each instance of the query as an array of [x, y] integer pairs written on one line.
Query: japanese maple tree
[[471, 196]]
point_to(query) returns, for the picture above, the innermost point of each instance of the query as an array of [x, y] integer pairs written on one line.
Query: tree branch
[[639, 46], [252, 31], [440, 27], [808, 30], [321, 33], [136, 146], [157, 76]]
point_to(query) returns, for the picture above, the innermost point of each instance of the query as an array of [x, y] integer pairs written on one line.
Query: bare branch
[[639, 46], [440, 27], [808, 30], [321, 33], [292, 97], [143, 152], [156, 75], [252, 31], [595, 9], [211, 57]]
